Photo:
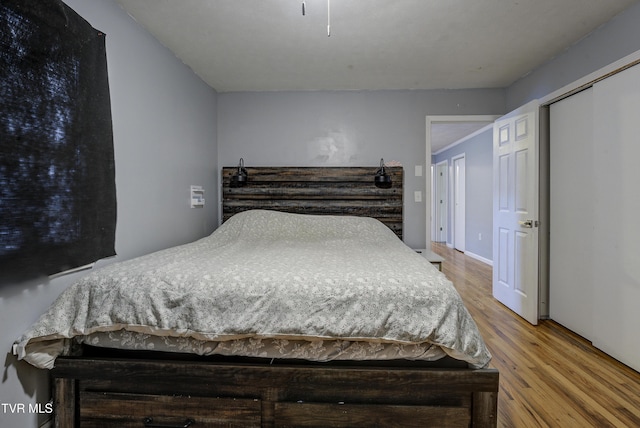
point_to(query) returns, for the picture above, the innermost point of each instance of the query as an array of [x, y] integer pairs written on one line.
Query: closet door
[[572, 206], [616, 234]]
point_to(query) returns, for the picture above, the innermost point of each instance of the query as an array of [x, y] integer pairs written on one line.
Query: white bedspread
[[272, 276]]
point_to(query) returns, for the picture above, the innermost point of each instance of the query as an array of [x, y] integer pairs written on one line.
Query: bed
[[276, 319]]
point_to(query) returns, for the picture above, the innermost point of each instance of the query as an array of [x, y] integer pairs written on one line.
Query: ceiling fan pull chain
[[304, 13], [328, 18]]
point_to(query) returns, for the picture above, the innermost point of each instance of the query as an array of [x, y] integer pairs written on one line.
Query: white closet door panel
[[572, 207], [617, 225]]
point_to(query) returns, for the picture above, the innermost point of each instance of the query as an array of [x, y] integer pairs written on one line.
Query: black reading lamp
[[382, 179], [239, 178]]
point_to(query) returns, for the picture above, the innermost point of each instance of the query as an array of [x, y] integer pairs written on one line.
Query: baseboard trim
[[479, 258]]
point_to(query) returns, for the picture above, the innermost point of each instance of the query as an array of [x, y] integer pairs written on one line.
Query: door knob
[[527, 223]]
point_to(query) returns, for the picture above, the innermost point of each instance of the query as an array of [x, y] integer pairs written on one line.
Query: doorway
[[443, 132]]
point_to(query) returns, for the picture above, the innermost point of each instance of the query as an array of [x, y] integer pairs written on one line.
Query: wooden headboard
[[316, 190]]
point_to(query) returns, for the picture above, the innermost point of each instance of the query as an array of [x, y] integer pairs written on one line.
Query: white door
[[616, 232], [441, 201], [572, 204], [459, 208], [515, 211]]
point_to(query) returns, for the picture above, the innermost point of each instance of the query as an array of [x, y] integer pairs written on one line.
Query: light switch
[[417, 196], [418, 170]]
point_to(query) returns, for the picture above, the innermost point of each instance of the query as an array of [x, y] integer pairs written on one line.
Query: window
[[57, 173]]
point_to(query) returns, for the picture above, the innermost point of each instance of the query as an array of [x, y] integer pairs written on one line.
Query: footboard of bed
[[123, 392]]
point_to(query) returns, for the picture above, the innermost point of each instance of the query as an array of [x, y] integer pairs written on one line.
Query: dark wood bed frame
[[109, 388]]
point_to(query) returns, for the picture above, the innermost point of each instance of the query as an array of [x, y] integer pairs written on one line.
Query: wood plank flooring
[[549, 376]]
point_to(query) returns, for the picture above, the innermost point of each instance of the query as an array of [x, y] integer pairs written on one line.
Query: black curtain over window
[[57, 173]]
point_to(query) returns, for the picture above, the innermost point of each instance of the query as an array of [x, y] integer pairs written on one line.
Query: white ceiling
[[268, 45]]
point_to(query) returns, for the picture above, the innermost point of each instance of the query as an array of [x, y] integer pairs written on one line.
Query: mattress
[[268, 284], [320, 350]]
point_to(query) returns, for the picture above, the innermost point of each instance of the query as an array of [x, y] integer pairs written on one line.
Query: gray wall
[[165, 140], [478, 153], [342, 129], [612, 41]]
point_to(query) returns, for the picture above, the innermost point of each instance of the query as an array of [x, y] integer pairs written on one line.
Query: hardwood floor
[[549, 376]]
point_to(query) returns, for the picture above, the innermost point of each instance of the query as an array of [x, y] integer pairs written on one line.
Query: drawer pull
[[148, 423]]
